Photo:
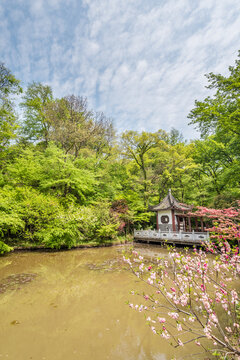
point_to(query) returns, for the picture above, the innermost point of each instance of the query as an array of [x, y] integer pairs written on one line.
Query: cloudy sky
[[142, 62]]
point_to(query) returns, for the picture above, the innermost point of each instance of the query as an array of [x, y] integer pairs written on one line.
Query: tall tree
[[9, 85], [74, 126], [175, 137], [171, 165], [219, 116], [36, 98], [135, 146], [221, 112]]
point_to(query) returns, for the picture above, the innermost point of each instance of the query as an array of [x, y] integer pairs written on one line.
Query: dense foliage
[[67, 179]]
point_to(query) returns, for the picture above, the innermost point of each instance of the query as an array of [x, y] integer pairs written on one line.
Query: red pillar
[[189, 224], [157, 221], [173, 221], [202, 224]]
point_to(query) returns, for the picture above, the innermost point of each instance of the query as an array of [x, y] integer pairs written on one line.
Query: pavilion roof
[[169, 202]]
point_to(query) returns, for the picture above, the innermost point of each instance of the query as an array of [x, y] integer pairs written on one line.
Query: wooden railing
[[180, 237]]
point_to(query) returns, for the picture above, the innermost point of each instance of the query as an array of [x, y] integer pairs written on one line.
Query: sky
[[141, 62]]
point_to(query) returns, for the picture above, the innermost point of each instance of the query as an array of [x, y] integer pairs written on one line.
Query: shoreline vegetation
[[85, 245], [65, 176]]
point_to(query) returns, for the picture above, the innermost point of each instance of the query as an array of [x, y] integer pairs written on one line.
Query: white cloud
[[143, 63]]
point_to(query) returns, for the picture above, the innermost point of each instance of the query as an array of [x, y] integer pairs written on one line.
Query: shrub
[[4, 249]]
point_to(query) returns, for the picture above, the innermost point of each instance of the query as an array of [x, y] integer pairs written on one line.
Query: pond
[[72, 305]]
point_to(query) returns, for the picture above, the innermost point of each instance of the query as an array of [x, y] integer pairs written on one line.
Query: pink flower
[[223, 291], [165, 335], [213, 318], [153, 276], [169, 295], [173, 289], [234, 296], [180, 343], [141, 267], [153, 329], [184, 299], [173, 315], [161, 320], [150, 267], [127, 261], [179, 327], [146, 297], [207, 332], [197, 343], [225, 307]]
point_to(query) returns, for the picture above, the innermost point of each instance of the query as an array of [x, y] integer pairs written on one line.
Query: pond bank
[[79, 246]]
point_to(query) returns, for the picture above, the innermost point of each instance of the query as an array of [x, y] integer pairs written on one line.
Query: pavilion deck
[[173, 237]]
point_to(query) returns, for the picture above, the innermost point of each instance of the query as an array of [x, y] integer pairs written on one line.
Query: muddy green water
[[71, 305]]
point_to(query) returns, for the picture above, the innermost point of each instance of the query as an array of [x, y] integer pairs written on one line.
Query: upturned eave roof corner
[[169, 202]]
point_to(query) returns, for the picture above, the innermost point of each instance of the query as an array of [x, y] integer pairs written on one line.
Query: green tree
[[221, 112], [35, 126], [136, 146], [219, 116], [172, 167], [9, 86], [175, 137], [74, 126], [217, 160], [53, 173]]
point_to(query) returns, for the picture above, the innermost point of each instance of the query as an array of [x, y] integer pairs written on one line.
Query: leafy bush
[[106, 232], [10, 221], [96, 223], [30, 217], [24, 211], [52, 172], [4, 249], [56, 237]]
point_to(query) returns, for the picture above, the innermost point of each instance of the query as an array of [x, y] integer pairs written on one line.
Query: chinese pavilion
[[173, 216]]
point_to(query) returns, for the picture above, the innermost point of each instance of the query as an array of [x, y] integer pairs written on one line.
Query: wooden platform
[[172, 237]]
